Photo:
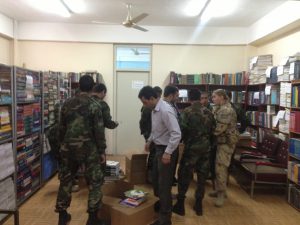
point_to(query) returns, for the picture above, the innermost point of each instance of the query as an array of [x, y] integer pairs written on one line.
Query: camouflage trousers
[[223, 159], [189, 163], [93, 175]]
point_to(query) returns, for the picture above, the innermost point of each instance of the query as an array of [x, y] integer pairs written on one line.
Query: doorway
[[129, 139]]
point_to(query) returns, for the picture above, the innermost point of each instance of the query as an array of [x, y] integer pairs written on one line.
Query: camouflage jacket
[[226, 131], [197, 124], [145, 122], [81, 121], [108, 122]]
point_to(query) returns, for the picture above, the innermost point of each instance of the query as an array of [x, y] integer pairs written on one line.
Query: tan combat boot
[[220, 199]]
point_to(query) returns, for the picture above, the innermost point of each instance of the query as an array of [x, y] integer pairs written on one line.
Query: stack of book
[[5, 124], [295, 66], [112, 170], [285, 94], [258, 67], [133, 198]]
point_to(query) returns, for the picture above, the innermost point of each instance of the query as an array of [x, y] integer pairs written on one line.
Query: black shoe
[[94, 220], [178, 208], [155, 223], [198, 208], [64, 218], [157, 206]]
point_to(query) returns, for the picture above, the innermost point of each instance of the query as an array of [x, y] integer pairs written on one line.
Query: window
[[133, 58]]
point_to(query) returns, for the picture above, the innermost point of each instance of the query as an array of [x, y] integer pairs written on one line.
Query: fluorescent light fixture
[[220, 8], [76, 6], [62, 8], [194, 7]]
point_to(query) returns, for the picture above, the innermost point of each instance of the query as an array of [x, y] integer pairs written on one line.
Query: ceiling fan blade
[[135, 26], [139, 17]]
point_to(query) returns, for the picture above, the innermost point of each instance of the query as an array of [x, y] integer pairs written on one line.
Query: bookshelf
[[27, 86], [294, 148], [7, 154], [50, 99]]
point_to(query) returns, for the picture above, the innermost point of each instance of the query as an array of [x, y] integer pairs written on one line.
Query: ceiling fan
[[130, 22], [136, 51]]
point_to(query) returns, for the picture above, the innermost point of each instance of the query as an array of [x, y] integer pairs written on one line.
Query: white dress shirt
[[165, 127]]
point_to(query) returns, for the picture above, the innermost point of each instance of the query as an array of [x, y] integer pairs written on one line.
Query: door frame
[[114, 142]]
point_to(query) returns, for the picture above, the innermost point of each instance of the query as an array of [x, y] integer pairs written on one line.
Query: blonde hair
[[221, 92]]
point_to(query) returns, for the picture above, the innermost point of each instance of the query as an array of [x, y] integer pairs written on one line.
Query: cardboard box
[[116, 188], [136, 162], [136, 168], [141, 215]]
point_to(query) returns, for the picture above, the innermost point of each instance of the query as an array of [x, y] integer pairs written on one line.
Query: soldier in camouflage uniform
[[98, 94], [197, 125], [227, 137], [205, 101], [81, 134], [145, 128]]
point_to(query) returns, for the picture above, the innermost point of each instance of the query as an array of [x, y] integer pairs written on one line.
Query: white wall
[[196, 59], [5, 51], [285, 46], [120, 34]]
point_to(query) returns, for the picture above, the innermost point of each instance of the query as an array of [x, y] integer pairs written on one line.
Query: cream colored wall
[[282, 47], [195, 59], [5, 51], [70, 57]]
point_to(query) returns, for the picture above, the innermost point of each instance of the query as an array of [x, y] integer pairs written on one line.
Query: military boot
[[220, 199], [64, 218], [198, 207], [178, 208], [94, 220], [214, 194]]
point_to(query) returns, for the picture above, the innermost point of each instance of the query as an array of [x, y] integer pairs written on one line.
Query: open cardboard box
[[118, 214], [136, 168]]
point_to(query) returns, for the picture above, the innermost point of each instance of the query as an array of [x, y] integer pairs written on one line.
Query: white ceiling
[[161, 12]]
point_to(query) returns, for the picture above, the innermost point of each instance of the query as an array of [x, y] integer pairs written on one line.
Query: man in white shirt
[[166, 136]]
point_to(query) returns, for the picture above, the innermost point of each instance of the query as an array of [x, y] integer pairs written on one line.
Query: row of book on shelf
[[239, 78], [294, 196]]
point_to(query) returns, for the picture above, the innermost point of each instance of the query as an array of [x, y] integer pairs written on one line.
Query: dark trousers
[[162, 184]]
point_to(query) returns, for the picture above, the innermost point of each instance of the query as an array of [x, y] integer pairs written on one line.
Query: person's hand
[[166, 158], [147, 146], [102, 158]]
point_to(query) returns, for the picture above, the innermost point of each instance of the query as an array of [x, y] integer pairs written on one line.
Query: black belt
[[161, 146]]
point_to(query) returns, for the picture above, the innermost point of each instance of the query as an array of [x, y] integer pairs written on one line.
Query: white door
[[129, 139]]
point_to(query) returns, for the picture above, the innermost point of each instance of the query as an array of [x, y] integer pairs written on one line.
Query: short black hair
[[98, 88], [158, 91], [86, 83], [194, 94], [147, 92], [169, 90]]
